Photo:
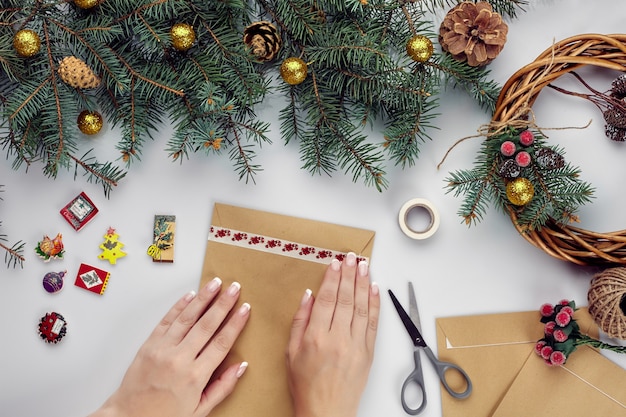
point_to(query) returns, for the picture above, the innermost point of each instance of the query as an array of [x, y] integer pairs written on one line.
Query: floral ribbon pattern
[[276, 246]]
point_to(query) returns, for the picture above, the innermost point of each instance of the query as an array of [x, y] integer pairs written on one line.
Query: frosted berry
[[507, 148], [522, 159], [526, 138]]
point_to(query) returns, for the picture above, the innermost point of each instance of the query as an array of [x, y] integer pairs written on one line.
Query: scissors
[[412, 324]]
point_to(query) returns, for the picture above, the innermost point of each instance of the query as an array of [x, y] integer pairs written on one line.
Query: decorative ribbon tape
[[275, 246]]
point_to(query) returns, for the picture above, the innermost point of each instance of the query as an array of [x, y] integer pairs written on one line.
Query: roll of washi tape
[[423, 204]]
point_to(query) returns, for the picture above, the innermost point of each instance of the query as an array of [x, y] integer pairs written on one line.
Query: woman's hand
[[331, 347], [170, 374]]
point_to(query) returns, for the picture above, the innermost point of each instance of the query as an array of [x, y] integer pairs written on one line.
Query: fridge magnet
[[162, 247], [52, 327], [79, 211], [92, 279], [53, 281], [50, 248], [111, 247]]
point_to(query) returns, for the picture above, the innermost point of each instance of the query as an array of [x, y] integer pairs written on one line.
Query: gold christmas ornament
[[473, 32], [183, 36], [520, 191], [76, 73], [87, 4], [26, 43], [293, 70], [419, 48], [263, 39], [89, 122]]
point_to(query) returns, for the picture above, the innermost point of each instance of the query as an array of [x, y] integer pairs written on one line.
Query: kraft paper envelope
[[275, 258], [587, 385], [492, 349]]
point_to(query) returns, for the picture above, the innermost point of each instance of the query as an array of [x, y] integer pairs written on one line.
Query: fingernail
[[234, 288], [351, 259], [375, 289], [335, 265], [189, 296], [215, 284], [363, 266], [244, 309], [242, 368], [306, 297]]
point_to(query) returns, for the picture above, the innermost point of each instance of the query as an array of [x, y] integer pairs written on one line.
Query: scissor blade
[[413, 311], [416, 337]]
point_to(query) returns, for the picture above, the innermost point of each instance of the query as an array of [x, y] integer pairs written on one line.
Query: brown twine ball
[[607, 301]]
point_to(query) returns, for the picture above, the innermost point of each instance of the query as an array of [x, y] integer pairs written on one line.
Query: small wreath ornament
[[516, 149]]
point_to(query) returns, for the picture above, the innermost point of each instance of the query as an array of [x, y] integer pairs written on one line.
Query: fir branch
[[14, 255], [504, 7], [474, 80], [358, 73], [105, 174]]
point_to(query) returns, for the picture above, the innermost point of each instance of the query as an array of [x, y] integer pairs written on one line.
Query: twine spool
[[607, 301]]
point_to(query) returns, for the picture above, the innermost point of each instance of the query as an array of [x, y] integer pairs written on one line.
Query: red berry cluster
[[560, 332], [516, 158]]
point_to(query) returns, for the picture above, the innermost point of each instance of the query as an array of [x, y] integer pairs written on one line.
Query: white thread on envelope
[[274, 245], [594, 387], [451, 346]]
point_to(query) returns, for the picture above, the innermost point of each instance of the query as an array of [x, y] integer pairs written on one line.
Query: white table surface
[[488, 268]]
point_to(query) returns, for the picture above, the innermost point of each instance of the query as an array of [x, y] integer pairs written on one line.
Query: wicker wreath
[[582, 247]]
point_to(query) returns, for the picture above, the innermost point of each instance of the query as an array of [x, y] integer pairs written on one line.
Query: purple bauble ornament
[[53, 281]]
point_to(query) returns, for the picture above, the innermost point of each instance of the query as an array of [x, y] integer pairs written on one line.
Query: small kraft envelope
[[588, 384], [275, 258], [492, 349]]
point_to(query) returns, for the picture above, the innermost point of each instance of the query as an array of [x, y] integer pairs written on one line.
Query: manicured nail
[[375, 289], [242, 368], [351, 259], [306, 297], [244, 309], [215, 284], [234, 288], [189, 296], [335, 265], [363, 266]]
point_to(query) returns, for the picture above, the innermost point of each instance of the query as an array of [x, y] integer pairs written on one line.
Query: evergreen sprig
[[359, 74], [558, 189], [13, 254], [504, 7]]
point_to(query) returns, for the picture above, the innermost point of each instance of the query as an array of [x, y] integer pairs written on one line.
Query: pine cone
[[473, 32], [264, 40], [618, 87], [615, 117], [549, 159], [615, 133], [76, 73], [509, 169]]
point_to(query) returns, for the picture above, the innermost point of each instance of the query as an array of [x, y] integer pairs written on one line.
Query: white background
[[488, 268]]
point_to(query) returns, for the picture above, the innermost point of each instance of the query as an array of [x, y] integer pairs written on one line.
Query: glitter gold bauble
[[26, 43], [520, 191], [89, 122], [419, 48], [293, 70], [183, 36], [87, 4]]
